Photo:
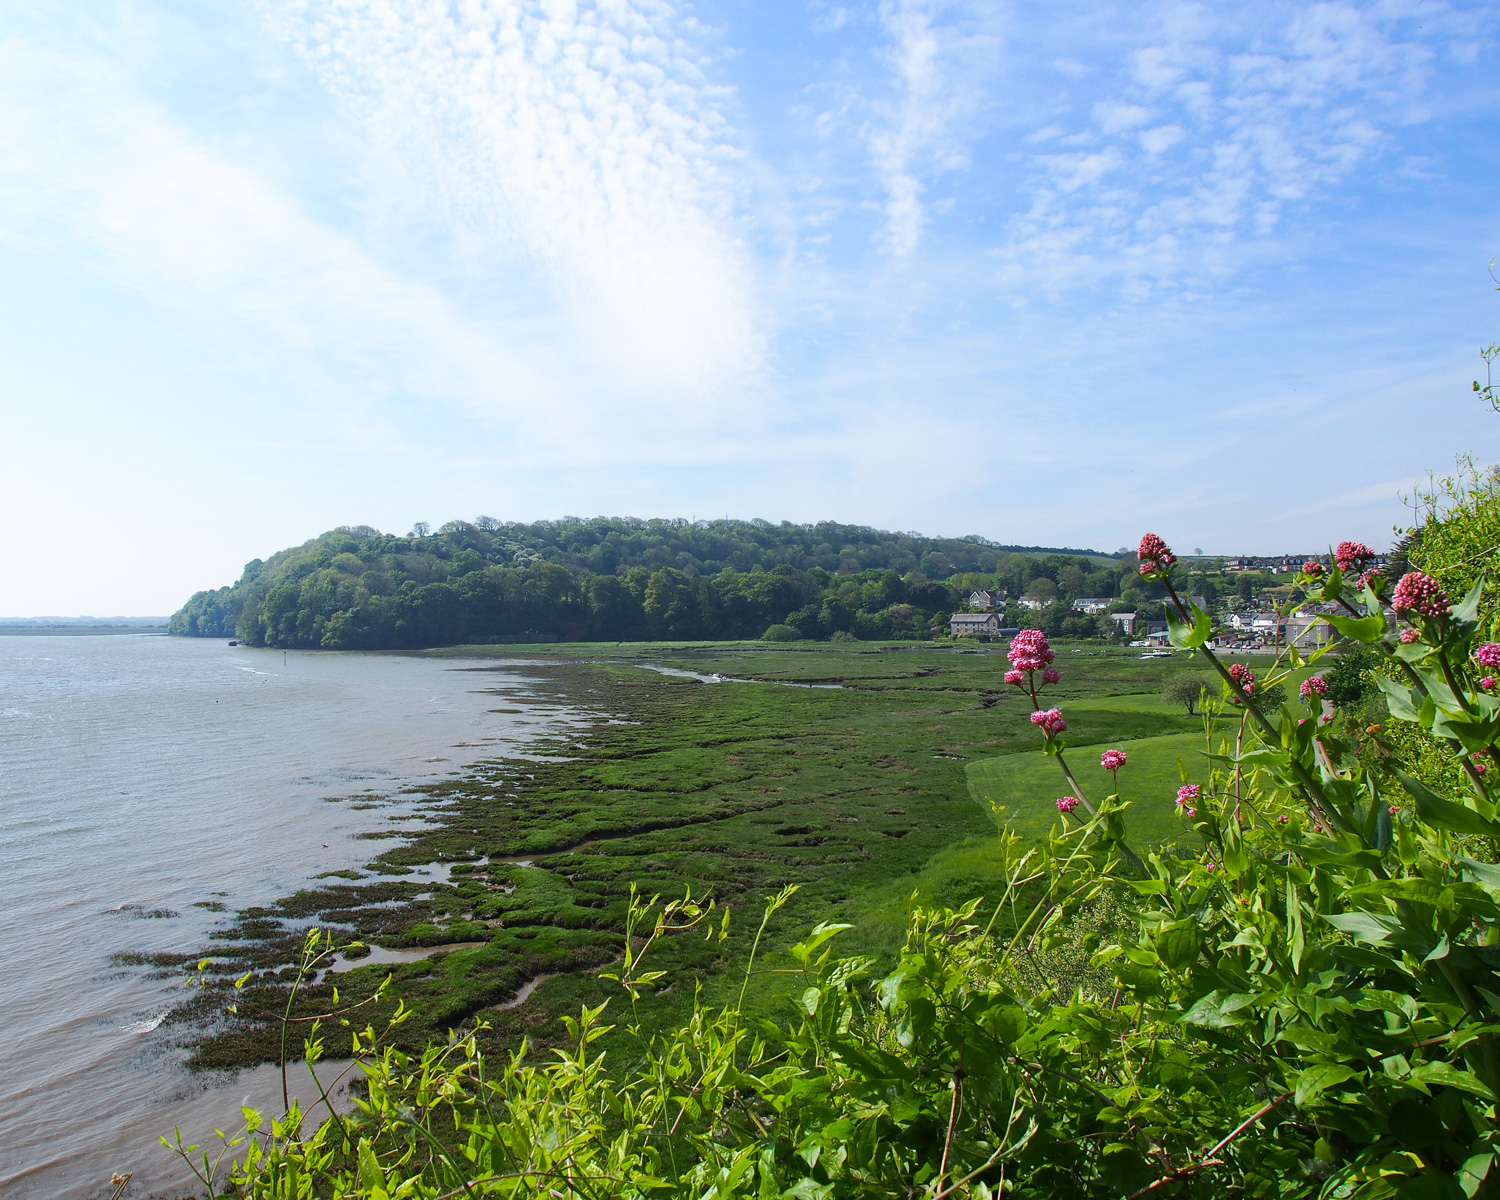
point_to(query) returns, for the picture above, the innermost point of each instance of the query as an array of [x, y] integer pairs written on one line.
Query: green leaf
[[1333, 582], [1177, 944], [1473, 1172], [1364, 927], [1445, 1074], [1466, 610], [1430, 1185], [1218, 1010], [1444, 814], [1362, 629], [1475, 735], [1314, 1081], [1183, 635], [1402, 701]]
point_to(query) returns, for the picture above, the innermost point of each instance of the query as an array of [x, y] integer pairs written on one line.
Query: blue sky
[[1051, 273]]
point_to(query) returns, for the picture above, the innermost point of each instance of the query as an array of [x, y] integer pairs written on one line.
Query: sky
[[1051, 273]]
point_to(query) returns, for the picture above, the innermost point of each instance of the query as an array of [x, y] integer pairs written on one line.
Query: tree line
[[617, 580]]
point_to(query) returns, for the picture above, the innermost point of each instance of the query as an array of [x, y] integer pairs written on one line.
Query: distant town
[[1246, 617]]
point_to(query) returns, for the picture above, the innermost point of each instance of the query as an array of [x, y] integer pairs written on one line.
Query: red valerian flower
[[1243, 676], [1418, 592], [1352, 556], [1314, 683], [1051, 721], [1155, 555], [1488, 655], [1066, 804], [1408, 636], [1029, 650], [1112, 760], [1313, 569], [1188, 791]]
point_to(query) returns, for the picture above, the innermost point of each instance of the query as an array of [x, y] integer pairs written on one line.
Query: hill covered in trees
[[618, 579]]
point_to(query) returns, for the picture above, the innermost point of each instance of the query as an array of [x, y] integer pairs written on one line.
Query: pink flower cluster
[[1051, 721], [1488, 655], [1313, 569], [1155, 555], [1488, 683], [1408, 636], [1420, 593], [1314, 683], [1187, 792], [1066, 804], [1352, 556], [1029, 651], [1244, 677], [1112, 760]]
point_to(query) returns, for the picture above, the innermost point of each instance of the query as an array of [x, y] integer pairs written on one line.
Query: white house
[[974, 624], [1092, 605]]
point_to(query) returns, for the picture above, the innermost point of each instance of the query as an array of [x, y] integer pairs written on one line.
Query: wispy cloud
[[937, 52], [94, 173], [586, 138], [1211, 125]]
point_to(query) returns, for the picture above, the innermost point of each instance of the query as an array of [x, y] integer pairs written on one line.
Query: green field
[[859, 793], [1023, 788]]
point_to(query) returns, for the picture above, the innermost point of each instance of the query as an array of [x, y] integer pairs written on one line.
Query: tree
[[1042, 588], [1348, 679], [1186, 689]]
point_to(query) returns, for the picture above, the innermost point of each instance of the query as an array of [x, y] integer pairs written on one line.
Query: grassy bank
[[858, 790]]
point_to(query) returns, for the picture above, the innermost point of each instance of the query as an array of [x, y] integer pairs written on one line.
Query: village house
[[974, 624], [986, 598], [1126, 621], [1091, 605]]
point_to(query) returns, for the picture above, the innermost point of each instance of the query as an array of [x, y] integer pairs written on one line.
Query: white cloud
[[1208, 131], [1113, 116], [585, 138], [939, 53], [92, 173], [1160, 139]]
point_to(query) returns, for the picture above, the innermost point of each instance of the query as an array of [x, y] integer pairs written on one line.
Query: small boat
[[233, 643]]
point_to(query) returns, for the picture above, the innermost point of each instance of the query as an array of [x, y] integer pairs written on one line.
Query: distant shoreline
[[77, 628]]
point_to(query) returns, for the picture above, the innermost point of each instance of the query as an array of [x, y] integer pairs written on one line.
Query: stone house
[[974, 624]]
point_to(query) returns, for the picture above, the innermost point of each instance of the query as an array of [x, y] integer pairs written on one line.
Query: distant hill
[[609, 579]]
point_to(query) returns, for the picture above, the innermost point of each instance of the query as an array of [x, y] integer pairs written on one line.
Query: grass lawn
[[1022, 789]]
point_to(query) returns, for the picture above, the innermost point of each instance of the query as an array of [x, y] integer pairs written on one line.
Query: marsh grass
[[857, 793]]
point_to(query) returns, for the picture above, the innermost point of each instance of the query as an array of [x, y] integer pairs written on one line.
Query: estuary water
[[146, 781]]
